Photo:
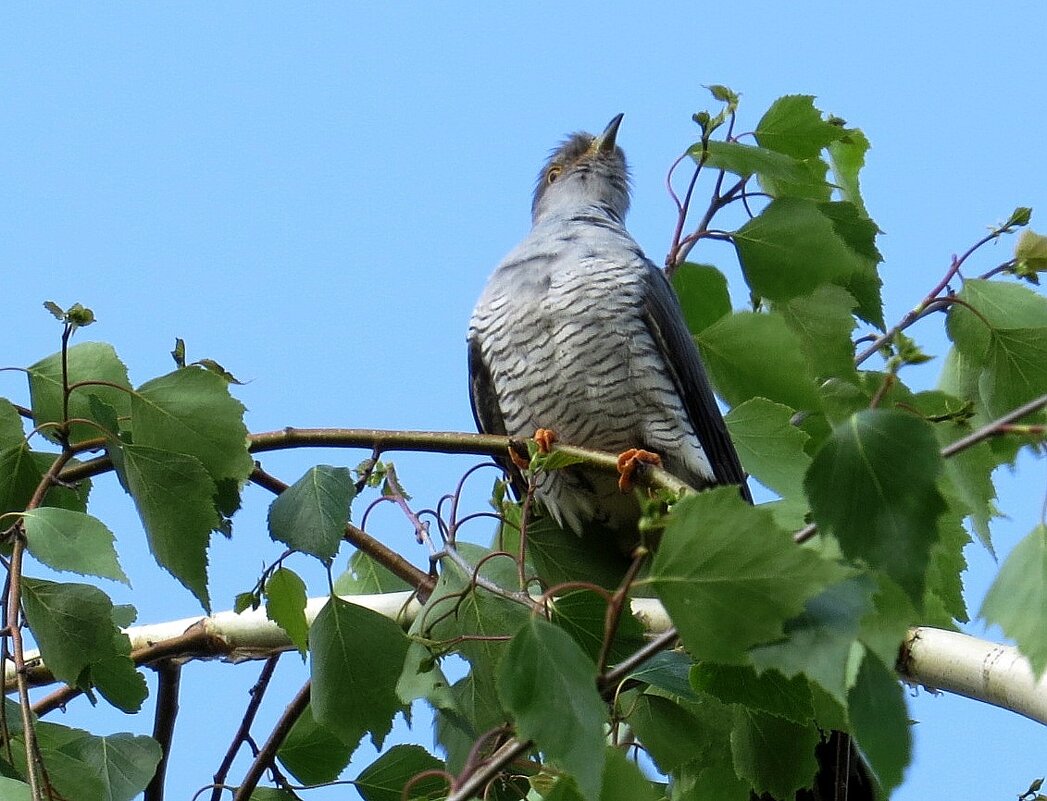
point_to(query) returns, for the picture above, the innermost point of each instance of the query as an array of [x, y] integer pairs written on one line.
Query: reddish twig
[[243, 732], [267, 753]]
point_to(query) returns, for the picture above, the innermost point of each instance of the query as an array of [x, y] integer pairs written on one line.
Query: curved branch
[[985, 671]]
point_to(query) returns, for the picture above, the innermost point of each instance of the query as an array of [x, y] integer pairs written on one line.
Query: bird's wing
[[666, 324], [482, 394]]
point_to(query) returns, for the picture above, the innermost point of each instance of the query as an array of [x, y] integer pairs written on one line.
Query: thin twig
[[243, 732], [399, 497], [14, 626], [922, 308], [267, 753], [609, 680], [614, 610], [475, 782], [994, 428]]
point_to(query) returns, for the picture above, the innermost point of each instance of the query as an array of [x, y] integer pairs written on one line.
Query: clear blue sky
[[313, 195]]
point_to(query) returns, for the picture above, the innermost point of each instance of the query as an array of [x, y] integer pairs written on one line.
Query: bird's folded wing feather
[[666, 324]]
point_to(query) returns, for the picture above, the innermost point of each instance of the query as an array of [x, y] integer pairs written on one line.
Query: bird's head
[[585, 171]]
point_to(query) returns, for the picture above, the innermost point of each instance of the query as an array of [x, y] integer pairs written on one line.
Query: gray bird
[[577, 331]]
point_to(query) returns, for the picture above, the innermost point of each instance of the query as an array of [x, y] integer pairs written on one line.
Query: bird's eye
[[553, 173]]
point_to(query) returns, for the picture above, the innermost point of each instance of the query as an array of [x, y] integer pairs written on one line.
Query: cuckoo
[[578, 332]]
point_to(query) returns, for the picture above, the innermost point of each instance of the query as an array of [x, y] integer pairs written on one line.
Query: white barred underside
[[562, 331]]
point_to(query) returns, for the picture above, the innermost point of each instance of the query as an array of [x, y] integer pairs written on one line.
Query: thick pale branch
[[985, 671], [958, 663]]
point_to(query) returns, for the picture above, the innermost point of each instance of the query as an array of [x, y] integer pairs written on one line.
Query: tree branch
[[250, 635], [267, 753], [169, 676], [243, 733], [985, 671]]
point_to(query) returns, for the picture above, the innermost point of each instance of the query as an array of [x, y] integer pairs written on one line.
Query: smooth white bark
[[942, 660]]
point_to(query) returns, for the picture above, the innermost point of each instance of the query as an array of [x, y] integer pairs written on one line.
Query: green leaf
[[775, 755], [582, 614], [357, 656], [191, 412], [943, 595], [1015, 369], [792, 247], [88, 767], [847, 157], [769, 691], [475, 621], [702, 290], [770, 446], [1031, 251], [175, 499], [549, 685], [14, 790], [745, 160], [389, 778], [66, 540], [365, 576], [562, 556], [311, 753], [125, 763], [623, 781], [285, 600], [87, 361], [12, 433], [76, 630], [72, 624], [821, 643], [22, 470], [668, 671], [885, 626], [717, 547], [1017, 599], [967, 481], [757, 356], [880, 722], [823, 322], [711, 776], [19, 476], [474, 711], [117, 679], [873, 485], [1003, 335], [792, 125], [423, 678], [668, 731], [309, 516], [998, 305]]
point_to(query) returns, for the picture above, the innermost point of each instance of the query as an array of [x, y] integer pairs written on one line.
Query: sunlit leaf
[[873, 485], [717, 547], [1017, 599], [310, 515], [67, 540], [549, 685], [356, 658]]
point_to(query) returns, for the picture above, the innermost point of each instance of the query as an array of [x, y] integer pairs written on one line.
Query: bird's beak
[[604, 143]]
